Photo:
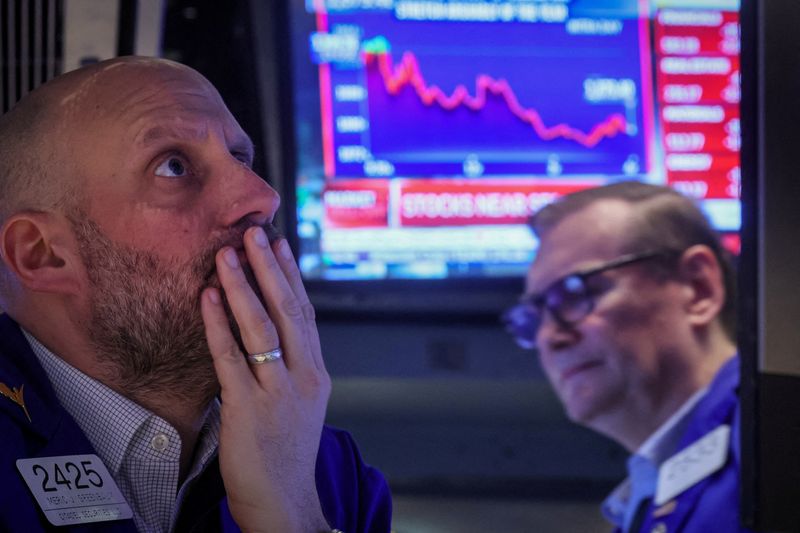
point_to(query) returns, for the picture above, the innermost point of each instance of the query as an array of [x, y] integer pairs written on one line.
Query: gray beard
[[145, 322]]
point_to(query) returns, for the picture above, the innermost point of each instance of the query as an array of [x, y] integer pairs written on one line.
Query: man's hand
[[272, 413]]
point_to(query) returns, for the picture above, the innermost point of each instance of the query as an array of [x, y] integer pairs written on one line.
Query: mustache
[[233, 237]]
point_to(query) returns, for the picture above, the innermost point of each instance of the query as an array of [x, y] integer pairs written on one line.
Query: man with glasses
[[630, 304]]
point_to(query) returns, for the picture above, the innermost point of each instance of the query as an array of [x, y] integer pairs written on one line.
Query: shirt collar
[[112, 423], [657, 448], [108, 419], [662, 443]]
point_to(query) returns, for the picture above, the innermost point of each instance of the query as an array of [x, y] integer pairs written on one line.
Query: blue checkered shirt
[[140, 450]]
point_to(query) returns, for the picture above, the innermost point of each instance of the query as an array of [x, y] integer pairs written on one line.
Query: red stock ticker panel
[[698, 90]]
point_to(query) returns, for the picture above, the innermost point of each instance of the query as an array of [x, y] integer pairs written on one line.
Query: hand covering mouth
[[235, 239]]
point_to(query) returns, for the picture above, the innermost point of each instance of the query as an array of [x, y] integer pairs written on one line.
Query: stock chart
[[428, 131], [426, 94]]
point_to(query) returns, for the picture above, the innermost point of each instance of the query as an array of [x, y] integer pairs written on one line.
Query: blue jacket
[[355, 497], [712, 504]]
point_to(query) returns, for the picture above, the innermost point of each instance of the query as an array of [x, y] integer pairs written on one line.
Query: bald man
[[160, 368]]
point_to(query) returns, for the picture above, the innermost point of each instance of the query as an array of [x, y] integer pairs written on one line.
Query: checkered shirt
[[140, 449]]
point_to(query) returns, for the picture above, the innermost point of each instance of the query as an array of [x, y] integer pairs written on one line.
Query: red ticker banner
[[438, 202]]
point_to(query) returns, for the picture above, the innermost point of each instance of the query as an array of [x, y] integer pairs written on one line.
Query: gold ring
[[265, 357]]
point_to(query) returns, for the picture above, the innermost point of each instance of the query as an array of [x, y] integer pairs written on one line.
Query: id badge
[[74, 489]]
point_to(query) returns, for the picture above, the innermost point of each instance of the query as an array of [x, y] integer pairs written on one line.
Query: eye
[[244, 158], [566, 292], [573, 285], [596, 285], [172, 167]]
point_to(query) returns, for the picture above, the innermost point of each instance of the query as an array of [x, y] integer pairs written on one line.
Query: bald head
[[39, 136], [28, 156], [48, 140]]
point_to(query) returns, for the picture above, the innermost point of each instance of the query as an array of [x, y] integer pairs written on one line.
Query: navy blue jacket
[[712, 504], [355, 497]]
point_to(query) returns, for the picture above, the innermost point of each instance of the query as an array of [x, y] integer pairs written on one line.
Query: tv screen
[[427, 131]]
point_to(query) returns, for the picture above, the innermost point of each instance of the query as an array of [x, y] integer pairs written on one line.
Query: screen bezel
[[484, 298]]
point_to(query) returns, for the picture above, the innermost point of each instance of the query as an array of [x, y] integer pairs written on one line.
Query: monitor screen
[[428, 131]]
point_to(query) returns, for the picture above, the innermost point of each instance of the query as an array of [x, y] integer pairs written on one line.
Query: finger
[[256, 328], [231, 367], [285, 308], [295, 280]]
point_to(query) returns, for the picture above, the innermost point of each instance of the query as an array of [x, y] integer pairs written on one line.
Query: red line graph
[[408, 73]]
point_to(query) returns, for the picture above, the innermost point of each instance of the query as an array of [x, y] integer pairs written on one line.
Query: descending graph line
[[408, 73]]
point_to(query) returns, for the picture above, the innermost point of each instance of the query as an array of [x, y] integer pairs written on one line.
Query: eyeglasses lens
[[569, 300], [522, 322]]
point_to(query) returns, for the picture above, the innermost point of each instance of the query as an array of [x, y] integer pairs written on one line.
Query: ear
[[40, 250], [702, 274]]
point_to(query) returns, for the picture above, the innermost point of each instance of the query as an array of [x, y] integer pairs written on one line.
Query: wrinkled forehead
[[130, 95], [584, 239]]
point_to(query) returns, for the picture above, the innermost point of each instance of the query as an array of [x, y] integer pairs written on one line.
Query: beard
[[145, 323]]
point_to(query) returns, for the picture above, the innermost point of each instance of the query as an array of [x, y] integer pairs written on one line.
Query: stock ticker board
[[465, 114]]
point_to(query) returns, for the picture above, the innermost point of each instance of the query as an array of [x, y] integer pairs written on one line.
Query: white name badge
[[74, 489], [693, 464]]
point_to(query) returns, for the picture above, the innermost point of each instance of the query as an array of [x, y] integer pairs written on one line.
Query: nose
[[249, 199], [553, 334]]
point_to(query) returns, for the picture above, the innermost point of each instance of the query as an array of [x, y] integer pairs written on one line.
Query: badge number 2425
[[80, 477], [73, 489]]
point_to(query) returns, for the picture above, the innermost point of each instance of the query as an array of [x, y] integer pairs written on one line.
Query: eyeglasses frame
[[539, 301]]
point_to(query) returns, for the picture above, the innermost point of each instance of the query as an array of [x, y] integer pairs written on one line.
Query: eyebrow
[[581, 273], [158, 133], [623, 260], [537, 298]]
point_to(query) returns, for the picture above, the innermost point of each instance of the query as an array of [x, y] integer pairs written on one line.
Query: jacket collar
[[19, 368]]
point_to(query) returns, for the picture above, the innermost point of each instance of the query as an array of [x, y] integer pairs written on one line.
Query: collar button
[[160, 442]]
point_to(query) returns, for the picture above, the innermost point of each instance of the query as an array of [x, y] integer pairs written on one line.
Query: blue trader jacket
[[355, 497], [712, 504]]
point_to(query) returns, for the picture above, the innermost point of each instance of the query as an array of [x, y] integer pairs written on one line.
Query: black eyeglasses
[[569, 300]]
